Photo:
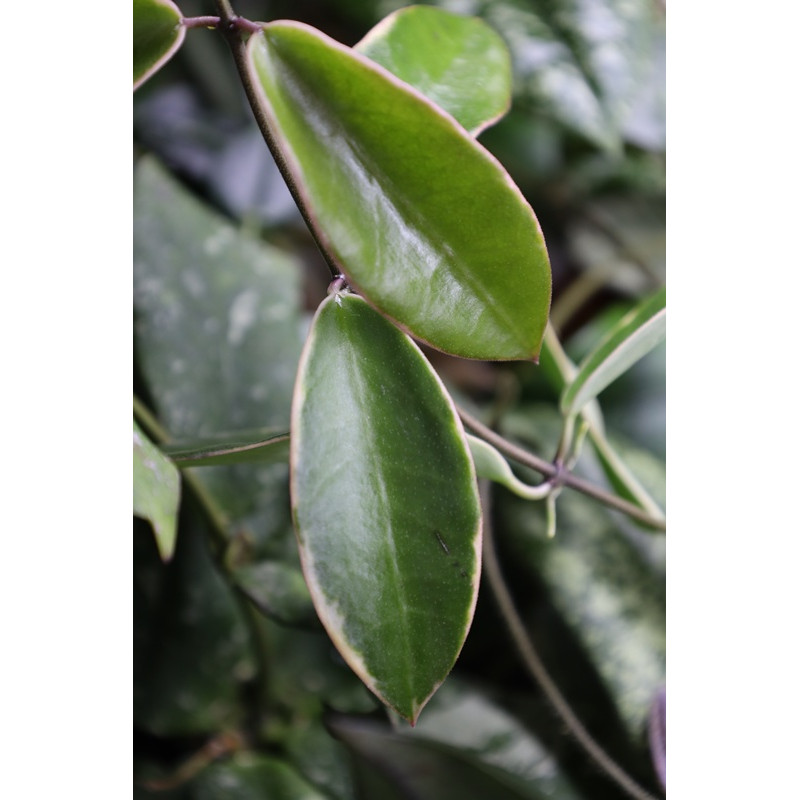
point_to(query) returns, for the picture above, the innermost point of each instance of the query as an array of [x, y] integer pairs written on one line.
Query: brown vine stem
[[534, 664], [233, 26], [563, 476]]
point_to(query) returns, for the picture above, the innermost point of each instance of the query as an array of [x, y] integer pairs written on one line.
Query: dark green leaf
[[458, 62], [157, 35], [191, 648], [385, 503], [156, 491], [423, 220]]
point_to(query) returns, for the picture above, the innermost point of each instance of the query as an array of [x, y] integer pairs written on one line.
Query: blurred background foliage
[[238, 692]]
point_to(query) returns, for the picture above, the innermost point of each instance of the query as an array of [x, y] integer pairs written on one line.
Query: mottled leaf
[[422, 220], [458, 62], [385, 503]]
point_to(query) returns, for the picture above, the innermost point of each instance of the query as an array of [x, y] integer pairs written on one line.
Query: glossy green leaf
[[385, 503], [633, 337], [490, 464], [156, 491], [458, 62], [423, 221], [265, 447], [157, 35]]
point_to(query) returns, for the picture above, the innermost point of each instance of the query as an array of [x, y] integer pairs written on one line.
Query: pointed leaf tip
[[385, 503]]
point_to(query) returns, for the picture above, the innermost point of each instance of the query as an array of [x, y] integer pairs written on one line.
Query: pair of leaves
[[431, 231]]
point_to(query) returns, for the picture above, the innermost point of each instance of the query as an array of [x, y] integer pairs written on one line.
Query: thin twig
[[533, 662], [200, 22], [233, 27], [560, 474]]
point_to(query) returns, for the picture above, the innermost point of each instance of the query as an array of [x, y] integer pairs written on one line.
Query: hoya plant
[[398, 533]]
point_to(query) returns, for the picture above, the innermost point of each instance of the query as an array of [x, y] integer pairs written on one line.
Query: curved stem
[[200, 22], [533, 662], [561, 475], [233, 26]]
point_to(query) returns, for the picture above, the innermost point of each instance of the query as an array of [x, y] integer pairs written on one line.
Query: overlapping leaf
[[156, 491], [422, 219], [458, 62], [385, 503], [157, 35]]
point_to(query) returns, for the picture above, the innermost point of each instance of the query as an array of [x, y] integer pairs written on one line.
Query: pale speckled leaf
[[585, 64], [385, 503], [218, 335], [156, 491], [458, 62], [253, 776], [464, 748]]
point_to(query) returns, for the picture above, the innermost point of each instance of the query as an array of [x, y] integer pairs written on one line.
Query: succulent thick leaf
[[423, 220], [385, 503], [458, 62], [157, 35], [266, 447], [156, 491], [636, 334]]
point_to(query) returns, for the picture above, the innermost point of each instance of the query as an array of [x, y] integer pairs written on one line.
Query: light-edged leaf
[[259, 446], [156, 491], [490, 464], [422, 220], [560, 370], [158, 33], [636, 334], [385, 504], [458, 62]]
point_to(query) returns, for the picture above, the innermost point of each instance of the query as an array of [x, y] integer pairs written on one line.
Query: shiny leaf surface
[[458, 62], [157, 35], [156, 491], [636, 334], [385, 503], [423, 221]]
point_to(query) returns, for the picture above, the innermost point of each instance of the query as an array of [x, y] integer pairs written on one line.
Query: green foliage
[[318, 524]]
